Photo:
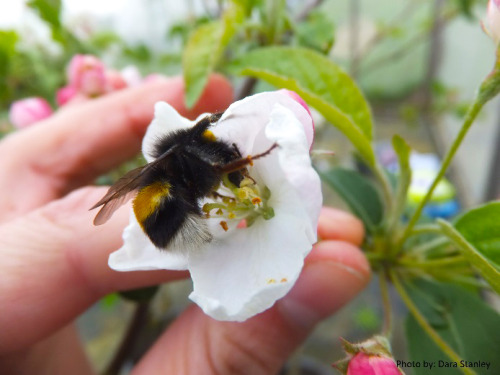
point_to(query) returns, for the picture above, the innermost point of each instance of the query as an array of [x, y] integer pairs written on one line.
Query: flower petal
[[166, 120], [139, 254], [285, 129], [245, 273], [243, 120], [261, 263]]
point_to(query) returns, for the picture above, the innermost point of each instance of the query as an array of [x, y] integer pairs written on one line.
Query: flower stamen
[[249, 202]]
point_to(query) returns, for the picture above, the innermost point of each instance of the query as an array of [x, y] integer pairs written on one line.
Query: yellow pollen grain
[[224, 226], [148, 199], [209, 136], [271, 281], [219, 212], [283, 280], [256, 200], [231, 215]]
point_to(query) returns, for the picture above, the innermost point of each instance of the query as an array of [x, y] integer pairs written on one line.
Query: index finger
[[81, 142]]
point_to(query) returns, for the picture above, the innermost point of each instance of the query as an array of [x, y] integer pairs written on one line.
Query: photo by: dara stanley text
[[431, 365]]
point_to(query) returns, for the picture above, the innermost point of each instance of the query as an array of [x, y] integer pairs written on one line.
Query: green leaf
[[486, 268], [462, 319], [321, 83], [8, 41], [359, 193], [49, 11], [481, 227], [403, 152], [204, 49], [140, 295]]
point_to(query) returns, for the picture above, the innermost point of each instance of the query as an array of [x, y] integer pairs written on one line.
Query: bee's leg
[[236, 165], [214, 117], [207, 121], [221, 196], [236, 150]]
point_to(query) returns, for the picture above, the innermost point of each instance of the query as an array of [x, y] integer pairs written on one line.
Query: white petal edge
[[166, 120], [139, 254]]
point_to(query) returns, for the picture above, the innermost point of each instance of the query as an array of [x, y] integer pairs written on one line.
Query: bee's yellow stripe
[[209, 136], [148, 199]]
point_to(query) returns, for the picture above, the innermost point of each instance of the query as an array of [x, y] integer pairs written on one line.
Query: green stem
[[433, 263], [425, 324], [429, 245], [386, 302], [469, 119], [425, 229]]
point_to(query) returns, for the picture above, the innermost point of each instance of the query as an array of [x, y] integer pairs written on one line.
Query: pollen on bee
[[256, 200], [224, 226], [271, 281]]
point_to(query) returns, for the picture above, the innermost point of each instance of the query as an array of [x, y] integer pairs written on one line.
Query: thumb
[[334, 273]]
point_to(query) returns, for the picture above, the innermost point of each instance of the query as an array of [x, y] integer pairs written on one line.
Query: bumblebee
[[189, 165]]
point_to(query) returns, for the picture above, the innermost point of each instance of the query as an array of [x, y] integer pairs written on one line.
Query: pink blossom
[[364, 364], [65, 94], [26, 112], [493, 20], [87, 74]]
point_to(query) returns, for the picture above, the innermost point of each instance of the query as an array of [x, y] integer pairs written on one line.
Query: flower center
[[247, 202]]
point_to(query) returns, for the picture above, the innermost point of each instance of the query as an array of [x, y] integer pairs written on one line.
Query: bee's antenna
[[241, 163]]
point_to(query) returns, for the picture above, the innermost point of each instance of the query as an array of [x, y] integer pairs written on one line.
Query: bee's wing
[[123, 190]]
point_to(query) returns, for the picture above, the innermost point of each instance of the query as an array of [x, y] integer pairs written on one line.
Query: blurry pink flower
[[26, 112], [65, 94], [87, 74], [493, 20], [364, 364]]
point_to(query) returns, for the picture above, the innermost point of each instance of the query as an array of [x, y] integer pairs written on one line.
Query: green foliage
[[459, 316], [321, 83], [8, 41], [317, 32], [480, 227], [204, 49], [404, 179], [486, 268], [359, 193]]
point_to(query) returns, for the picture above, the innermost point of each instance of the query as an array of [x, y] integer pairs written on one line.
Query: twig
[[127, 345]]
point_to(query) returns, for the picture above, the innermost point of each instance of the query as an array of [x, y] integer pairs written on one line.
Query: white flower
[[243, 271]]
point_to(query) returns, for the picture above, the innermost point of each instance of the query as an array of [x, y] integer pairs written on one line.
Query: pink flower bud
[[363, 364], [26, 112], [493, 20], [65, 94], [87, 74]]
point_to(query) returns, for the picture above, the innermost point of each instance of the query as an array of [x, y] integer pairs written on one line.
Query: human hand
[[54, 261]]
